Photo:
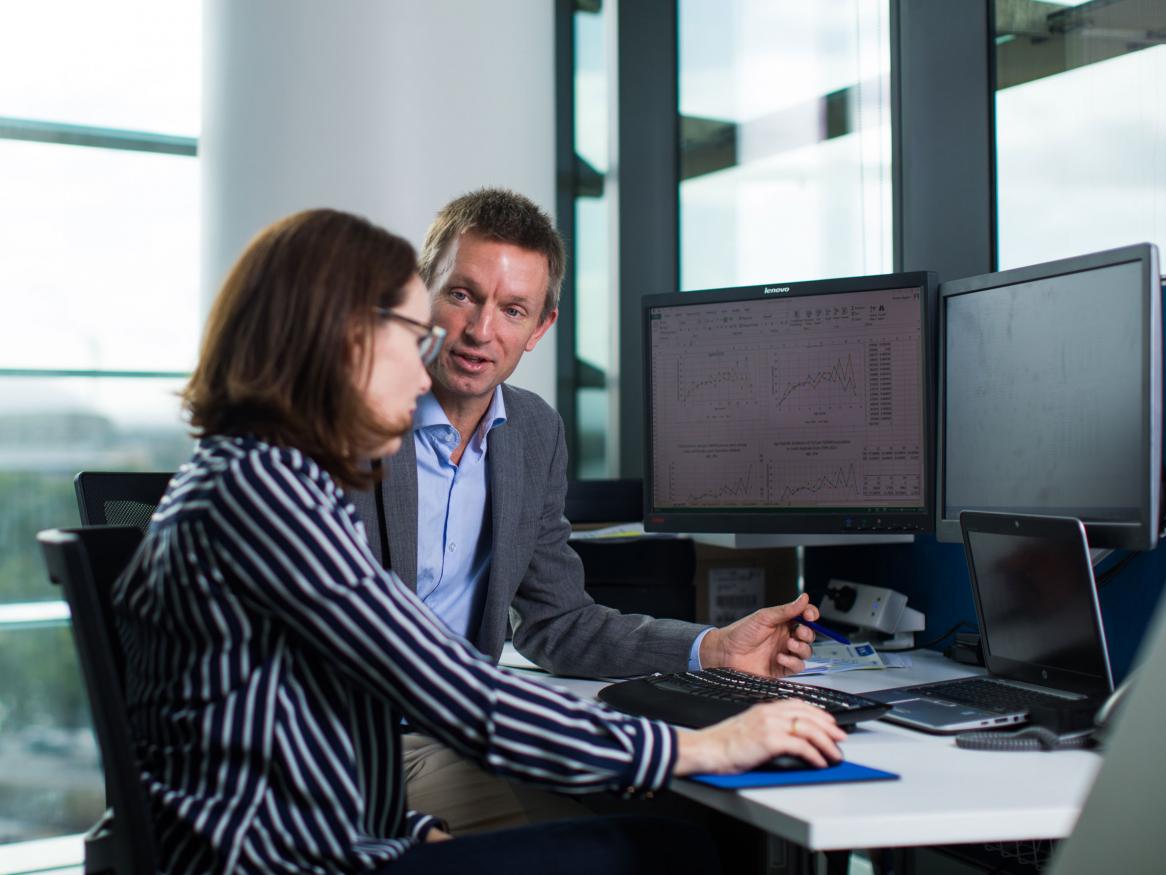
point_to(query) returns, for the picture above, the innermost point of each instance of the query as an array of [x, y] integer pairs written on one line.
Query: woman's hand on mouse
[[764, 731]]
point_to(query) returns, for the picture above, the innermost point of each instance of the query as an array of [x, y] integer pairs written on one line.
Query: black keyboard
[[993, 695], [701, 698]]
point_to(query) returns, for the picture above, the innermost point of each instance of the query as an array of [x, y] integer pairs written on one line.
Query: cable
[[946, 634], [1029, 738], [1106, 577], [382, 524]]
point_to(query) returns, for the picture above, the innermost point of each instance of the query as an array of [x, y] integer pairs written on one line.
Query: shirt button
[[452, 547]]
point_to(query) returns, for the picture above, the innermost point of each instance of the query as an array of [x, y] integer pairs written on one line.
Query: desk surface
[[945, 795]]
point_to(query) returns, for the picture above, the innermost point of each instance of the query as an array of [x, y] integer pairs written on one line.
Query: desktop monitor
[[1050, 395], [791, 408]]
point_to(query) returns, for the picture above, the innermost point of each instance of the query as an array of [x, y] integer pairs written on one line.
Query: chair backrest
[[85, 563], [119, 498]]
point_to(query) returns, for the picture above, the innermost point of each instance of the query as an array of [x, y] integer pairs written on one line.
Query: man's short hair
[[502, 215]]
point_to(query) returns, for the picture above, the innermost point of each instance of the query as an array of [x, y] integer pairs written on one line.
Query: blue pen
[[822, 630]]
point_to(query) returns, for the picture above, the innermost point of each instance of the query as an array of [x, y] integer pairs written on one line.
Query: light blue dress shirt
[[453, 518], [453, 514]]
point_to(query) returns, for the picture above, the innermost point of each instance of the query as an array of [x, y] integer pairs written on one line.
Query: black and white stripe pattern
[[270, 659]]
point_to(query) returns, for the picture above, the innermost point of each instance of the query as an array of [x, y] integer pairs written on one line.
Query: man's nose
[[481, 326]]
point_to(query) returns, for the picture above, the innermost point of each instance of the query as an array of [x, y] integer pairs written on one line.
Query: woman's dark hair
[[286, 333]]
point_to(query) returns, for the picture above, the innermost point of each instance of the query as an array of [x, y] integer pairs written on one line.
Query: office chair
[[85, 563], [119, 498]]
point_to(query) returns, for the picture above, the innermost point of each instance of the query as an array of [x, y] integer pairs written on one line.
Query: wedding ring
[[793, 726]]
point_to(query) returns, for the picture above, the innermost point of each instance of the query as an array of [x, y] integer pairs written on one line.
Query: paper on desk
[[829, 657], [617, 532], [511, 658], [623, 530]]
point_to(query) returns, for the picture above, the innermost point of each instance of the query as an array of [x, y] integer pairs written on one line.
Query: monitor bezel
[[765, 521], [1139, 535]]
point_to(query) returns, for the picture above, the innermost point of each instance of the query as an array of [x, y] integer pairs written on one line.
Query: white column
[[386, 108]]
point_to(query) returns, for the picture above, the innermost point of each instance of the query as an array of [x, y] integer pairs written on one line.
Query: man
[[472, 507]]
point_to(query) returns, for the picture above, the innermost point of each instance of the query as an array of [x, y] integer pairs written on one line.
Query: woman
[[269, 657]]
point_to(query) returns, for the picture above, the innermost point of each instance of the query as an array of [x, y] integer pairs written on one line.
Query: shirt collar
[[430, 414]]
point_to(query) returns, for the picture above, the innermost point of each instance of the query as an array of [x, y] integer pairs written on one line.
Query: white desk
[[945, 795]]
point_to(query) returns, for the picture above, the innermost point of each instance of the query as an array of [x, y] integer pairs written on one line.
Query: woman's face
[[397, 377]]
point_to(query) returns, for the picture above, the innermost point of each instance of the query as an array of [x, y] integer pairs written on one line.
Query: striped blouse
[[270, 660]]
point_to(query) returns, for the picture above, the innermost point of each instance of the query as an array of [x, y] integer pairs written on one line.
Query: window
[[99, 115], [785, 145], [593, 303], [1080, 135], [785, 140]]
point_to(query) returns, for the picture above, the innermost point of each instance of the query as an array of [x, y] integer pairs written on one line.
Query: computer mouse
[[788, 762]]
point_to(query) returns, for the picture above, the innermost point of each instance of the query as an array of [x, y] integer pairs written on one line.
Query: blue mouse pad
[[844, 771]]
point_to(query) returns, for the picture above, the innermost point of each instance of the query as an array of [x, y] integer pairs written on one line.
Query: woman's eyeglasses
[[428, 343]]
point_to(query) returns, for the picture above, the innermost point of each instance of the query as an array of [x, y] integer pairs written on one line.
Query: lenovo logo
[[776, 290]]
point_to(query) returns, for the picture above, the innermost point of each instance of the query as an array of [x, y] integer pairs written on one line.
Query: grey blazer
[[536, 579]]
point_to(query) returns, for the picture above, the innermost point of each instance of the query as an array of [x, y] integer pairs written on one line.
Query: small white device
[[876, 610]]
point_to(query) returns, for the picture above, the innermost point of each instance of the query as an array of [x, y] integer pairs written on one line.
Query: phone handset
[[1112, 705], [1035, 737]]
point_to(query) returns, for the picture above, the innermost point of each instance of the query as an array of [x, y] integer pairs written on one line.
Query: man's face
[[490, 303]]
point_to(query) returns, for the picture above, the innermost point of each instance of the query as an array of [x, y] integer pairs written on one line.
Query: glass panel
[[594, 412], [50, 773], [51, 428], [591, 105], [1080, 133], [133, 64], [50, 776], [595, 336], [786, 143], [98, 258]]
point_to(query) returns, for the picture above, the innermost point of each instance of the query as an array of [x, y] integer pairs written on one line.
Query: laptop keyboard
[[994, 696]]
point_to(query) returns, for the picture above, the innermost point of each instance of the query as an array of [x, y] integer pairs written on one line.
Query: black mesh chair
[[85, 563], [119, 498]]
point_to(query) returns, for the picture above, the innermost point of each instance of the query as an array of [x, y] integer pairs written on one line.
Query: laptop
[[1040, 631]]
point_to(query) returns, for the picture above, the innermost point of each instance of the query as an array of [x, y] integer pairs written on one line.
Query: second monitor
[[800, 408], [1050, 395]]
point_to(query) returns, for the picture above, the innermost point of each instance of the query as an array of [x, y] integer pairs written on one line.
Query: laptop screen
[[1037, 603]]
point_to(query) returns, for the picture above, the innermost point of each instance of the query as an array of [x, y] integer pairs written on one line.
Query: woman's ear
[[360, 352]]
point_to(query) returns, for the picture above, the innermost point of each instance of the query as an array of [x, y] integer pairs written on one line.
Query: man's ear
[[542, 329]]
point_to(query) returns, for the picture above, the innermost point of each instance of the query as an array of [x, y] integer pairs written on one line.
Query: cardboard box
[[731, 583]]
